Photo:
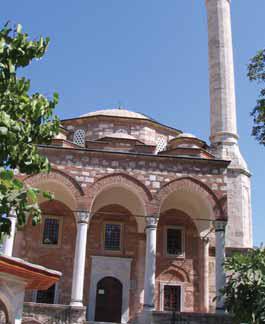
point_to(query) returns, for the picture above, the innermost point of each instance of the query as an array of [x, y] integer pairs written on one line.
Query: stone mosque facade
[[143, 213]]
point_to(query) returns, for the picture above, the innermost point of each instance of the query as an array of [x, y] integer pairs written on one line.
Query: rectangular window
[[172, 298], [46, 296], [174, 241], [112, 237], [51, 231]]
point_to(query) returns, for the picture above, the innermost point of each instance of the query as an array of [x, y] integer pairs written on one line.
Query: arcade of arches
[[105, 252]]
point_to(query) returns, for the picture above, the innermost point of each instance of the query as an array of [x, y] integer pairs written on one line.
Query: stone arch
[[120, 180], [123, 190], [178, 272], [192, 185], [65, 188]]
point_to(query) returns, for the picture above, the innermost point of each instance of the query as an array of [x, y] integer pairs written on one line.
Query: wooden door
[[108, 300]]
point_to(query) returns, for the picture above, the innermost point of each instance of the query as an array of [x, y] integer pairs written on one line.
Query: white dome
[[186, 135], [116, 113]]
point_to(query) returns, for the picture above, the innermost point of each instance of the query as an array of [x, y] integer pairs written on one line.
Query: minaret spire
[[221, 70], [224, 137]]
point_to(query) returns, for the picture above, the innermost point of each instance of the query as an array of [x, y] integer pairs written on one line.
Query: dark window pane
[[51, 231], [46, 296], [172, 298], [112, 237], [174, 241]]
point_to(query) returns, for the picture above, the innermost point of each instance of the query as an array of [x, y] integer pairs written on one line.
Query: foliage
[[26, 120], [245, 287], [256, 72]]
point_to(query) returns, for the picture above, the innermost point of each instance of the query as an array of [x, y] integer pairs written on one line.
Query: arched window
[[79, 137]]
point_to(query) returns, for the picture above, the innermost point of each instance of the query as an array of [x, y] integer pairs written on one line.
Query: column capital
[[204, 239], [82, 216], [151, 221], [219, 225]]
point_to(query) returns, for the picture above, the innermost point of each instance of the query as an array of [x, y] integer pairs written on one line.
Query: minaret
[[224, 137]]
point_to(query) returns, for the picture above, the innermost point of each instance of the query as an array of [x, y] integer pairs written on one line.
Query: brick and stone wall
[[28, 246]]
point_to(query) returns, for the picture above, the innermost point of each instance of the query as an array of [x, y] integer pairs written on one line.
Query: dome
[[186, 135], [116, 113]]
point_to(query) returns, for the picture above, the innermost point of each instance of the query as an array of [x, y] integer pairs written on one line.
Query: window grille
[[46, 296], [172, 297], [161, 144], [174, 241], [79, 137], [112, 237], [51, 231]]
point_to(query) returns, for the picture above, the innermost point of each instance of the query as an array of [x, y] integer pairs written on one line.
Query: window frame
[[175, 283], [121, 237], [182, 253], [60, 222], [55, 297]]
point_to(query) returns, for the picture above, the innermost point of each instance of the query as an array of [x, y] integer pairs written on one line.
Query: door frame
[[119, 268], [169, 283]]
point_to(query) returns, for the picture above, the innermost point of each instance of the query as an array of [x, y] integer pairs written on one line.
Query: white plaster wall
[[119, 268]]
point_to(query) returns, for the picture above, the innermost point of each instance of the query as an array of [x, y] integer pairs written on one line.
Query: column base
[[76, 303]]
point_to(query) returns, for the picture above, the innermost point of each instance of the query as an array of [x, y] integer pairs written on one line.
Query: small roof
[[35, 276], [116, 112]]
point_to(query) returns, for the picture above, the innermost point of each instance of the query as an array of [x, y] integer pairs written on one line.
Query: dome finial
[[119, 104]]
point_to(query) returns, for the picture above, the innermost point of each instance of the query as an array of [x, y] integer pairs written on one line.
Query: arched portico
[[125, 202], [190, 209]]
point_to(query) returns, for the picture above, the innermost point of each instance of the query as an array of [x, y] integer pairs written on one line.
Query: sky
[[148, 56]]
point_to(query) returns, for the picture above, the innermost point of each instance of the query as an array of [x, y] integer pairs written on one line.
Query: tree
[[245, 287], [256, 72], [26, 120]]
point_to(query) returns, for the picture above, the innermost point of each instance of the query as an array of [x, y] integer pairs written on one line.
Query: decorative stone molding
[[151, 222], [82, 217], [220, 225]]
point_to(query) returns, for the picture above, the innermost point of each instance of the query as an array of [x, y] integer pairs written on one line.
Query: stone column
[[219, 261], [82, 218], [205, 268], [221, 72], [10, 239], [150, 263]]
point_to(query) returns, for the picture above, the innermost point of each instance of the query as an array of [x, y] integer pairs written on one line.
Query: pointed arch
[[120, 180], [178, 272], [192, 185], [64, 187]]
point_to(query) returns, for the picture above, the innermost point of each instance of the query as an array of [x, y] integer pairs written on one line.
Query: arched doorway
[[108, 300]]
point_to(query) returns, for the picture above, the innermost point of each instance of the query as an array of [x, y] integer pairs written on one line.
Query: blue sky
[[149, 56]]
